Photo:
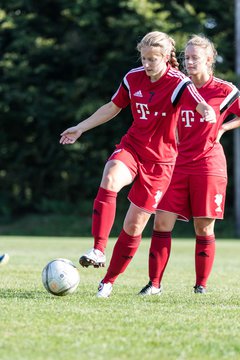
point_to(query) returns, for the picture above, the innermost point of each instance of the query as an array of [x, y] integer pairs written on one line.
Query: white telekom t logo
[[188, 117], [143, 110]]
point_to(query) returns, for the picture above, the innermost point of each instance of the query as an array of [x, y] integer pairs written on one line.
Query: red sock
[[104, 210], [204, 257], [123, 252], [158, 256]]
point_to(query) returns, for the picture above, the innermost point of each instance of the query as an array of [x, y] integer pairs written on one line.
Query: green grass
[[177, 325]]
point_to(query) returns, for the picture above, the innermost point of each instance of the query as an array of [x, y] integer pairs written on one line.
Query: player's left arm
[[232, 114], [229, 125]]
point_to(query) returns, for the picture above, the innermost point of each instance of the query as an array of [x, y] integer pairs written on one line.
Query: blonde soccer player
[[198, 185]]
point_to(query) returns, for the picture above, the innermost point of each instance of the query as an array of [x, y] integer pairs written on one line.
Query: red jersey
[[198, 151], [155, 108]]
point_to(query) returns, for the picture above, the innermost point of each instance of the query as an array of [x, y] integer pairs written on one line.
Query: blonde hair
[[163, 41], [207, 45]]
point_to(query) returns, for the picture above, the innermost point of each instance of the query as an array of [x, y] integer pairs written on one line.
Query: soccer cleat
[[104, 290], [199, 289], [149, 289], [4, 259], [93, 257]]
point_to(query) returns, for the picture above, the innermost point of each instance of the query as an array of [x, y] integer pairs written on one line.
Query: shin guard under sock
[[158, 256], [104, 210], [204, 258], [123, 252]]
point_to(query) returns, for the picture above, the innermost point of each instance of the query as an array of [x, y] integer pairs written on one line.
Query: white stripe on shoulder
[[224, 82], [135, 70], [126, 82], [176, 73], [195, 94], [230, 96], [178, 88], [140, 68]]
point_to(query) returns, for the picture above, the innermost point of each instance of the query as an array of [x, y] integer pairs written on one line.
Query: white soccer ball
[[60, 277]]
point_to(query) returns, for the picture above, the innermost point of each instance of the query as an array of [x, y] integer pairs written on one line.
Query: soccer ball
[[60, 277]]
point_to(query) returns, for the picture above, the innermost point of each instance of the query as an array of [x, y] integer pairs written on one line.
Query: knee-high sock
[[158, 256], [104, 210], [123, 252], [204, 257]]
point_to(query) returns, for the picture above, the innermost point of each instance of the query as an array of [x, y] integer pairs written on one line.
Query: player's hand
[[70, 135], [210, 116]]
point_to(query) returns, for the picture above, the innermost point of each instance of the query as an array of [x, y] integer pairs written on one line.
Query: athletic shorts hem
[[142, 208], [208, 217], [179, 216]]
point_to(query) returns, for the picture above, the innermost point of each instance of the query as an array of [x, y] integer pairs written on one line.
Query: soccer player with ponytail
[[146, 154]]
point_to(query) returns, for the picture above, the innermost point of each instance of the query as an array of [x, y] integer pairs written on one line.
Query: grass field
[[177, 325]]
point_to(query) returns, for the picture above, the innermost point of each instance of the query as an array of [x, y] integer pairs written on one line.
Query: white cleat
[[104, 290], [4, 259], [93, 257]]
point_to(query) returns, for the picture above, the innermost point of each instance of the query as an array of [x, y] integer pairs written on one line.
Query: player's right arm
[[201, 106], [101, 116], [207, 112]]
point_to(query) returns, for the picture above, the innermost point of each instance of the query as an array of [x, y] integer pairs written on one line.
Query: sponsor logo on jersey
[[138, 93], [187, 117], [143, 110]]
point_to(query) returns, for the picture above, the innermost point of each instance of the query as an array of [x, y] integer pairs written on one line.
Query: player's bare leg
[[116, 175]]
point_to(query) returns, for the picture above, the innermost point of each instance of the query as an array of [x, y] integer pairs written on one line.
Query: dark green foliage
[[59, 61]]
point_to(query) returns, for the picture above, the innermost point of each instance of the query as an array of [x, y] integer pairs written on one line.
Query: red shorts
[[195, 196], [151, 180]]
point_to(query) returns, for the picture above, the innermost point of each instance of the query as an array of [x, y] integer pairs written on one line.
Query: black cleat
[[149, 289], [199, 289]]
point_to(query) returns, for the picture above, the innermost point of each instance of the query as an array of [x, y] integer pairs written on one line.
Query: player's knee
[[134, 228], [110, 182], [164, 221], [203, 231], [204, 228], [162, 224]]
